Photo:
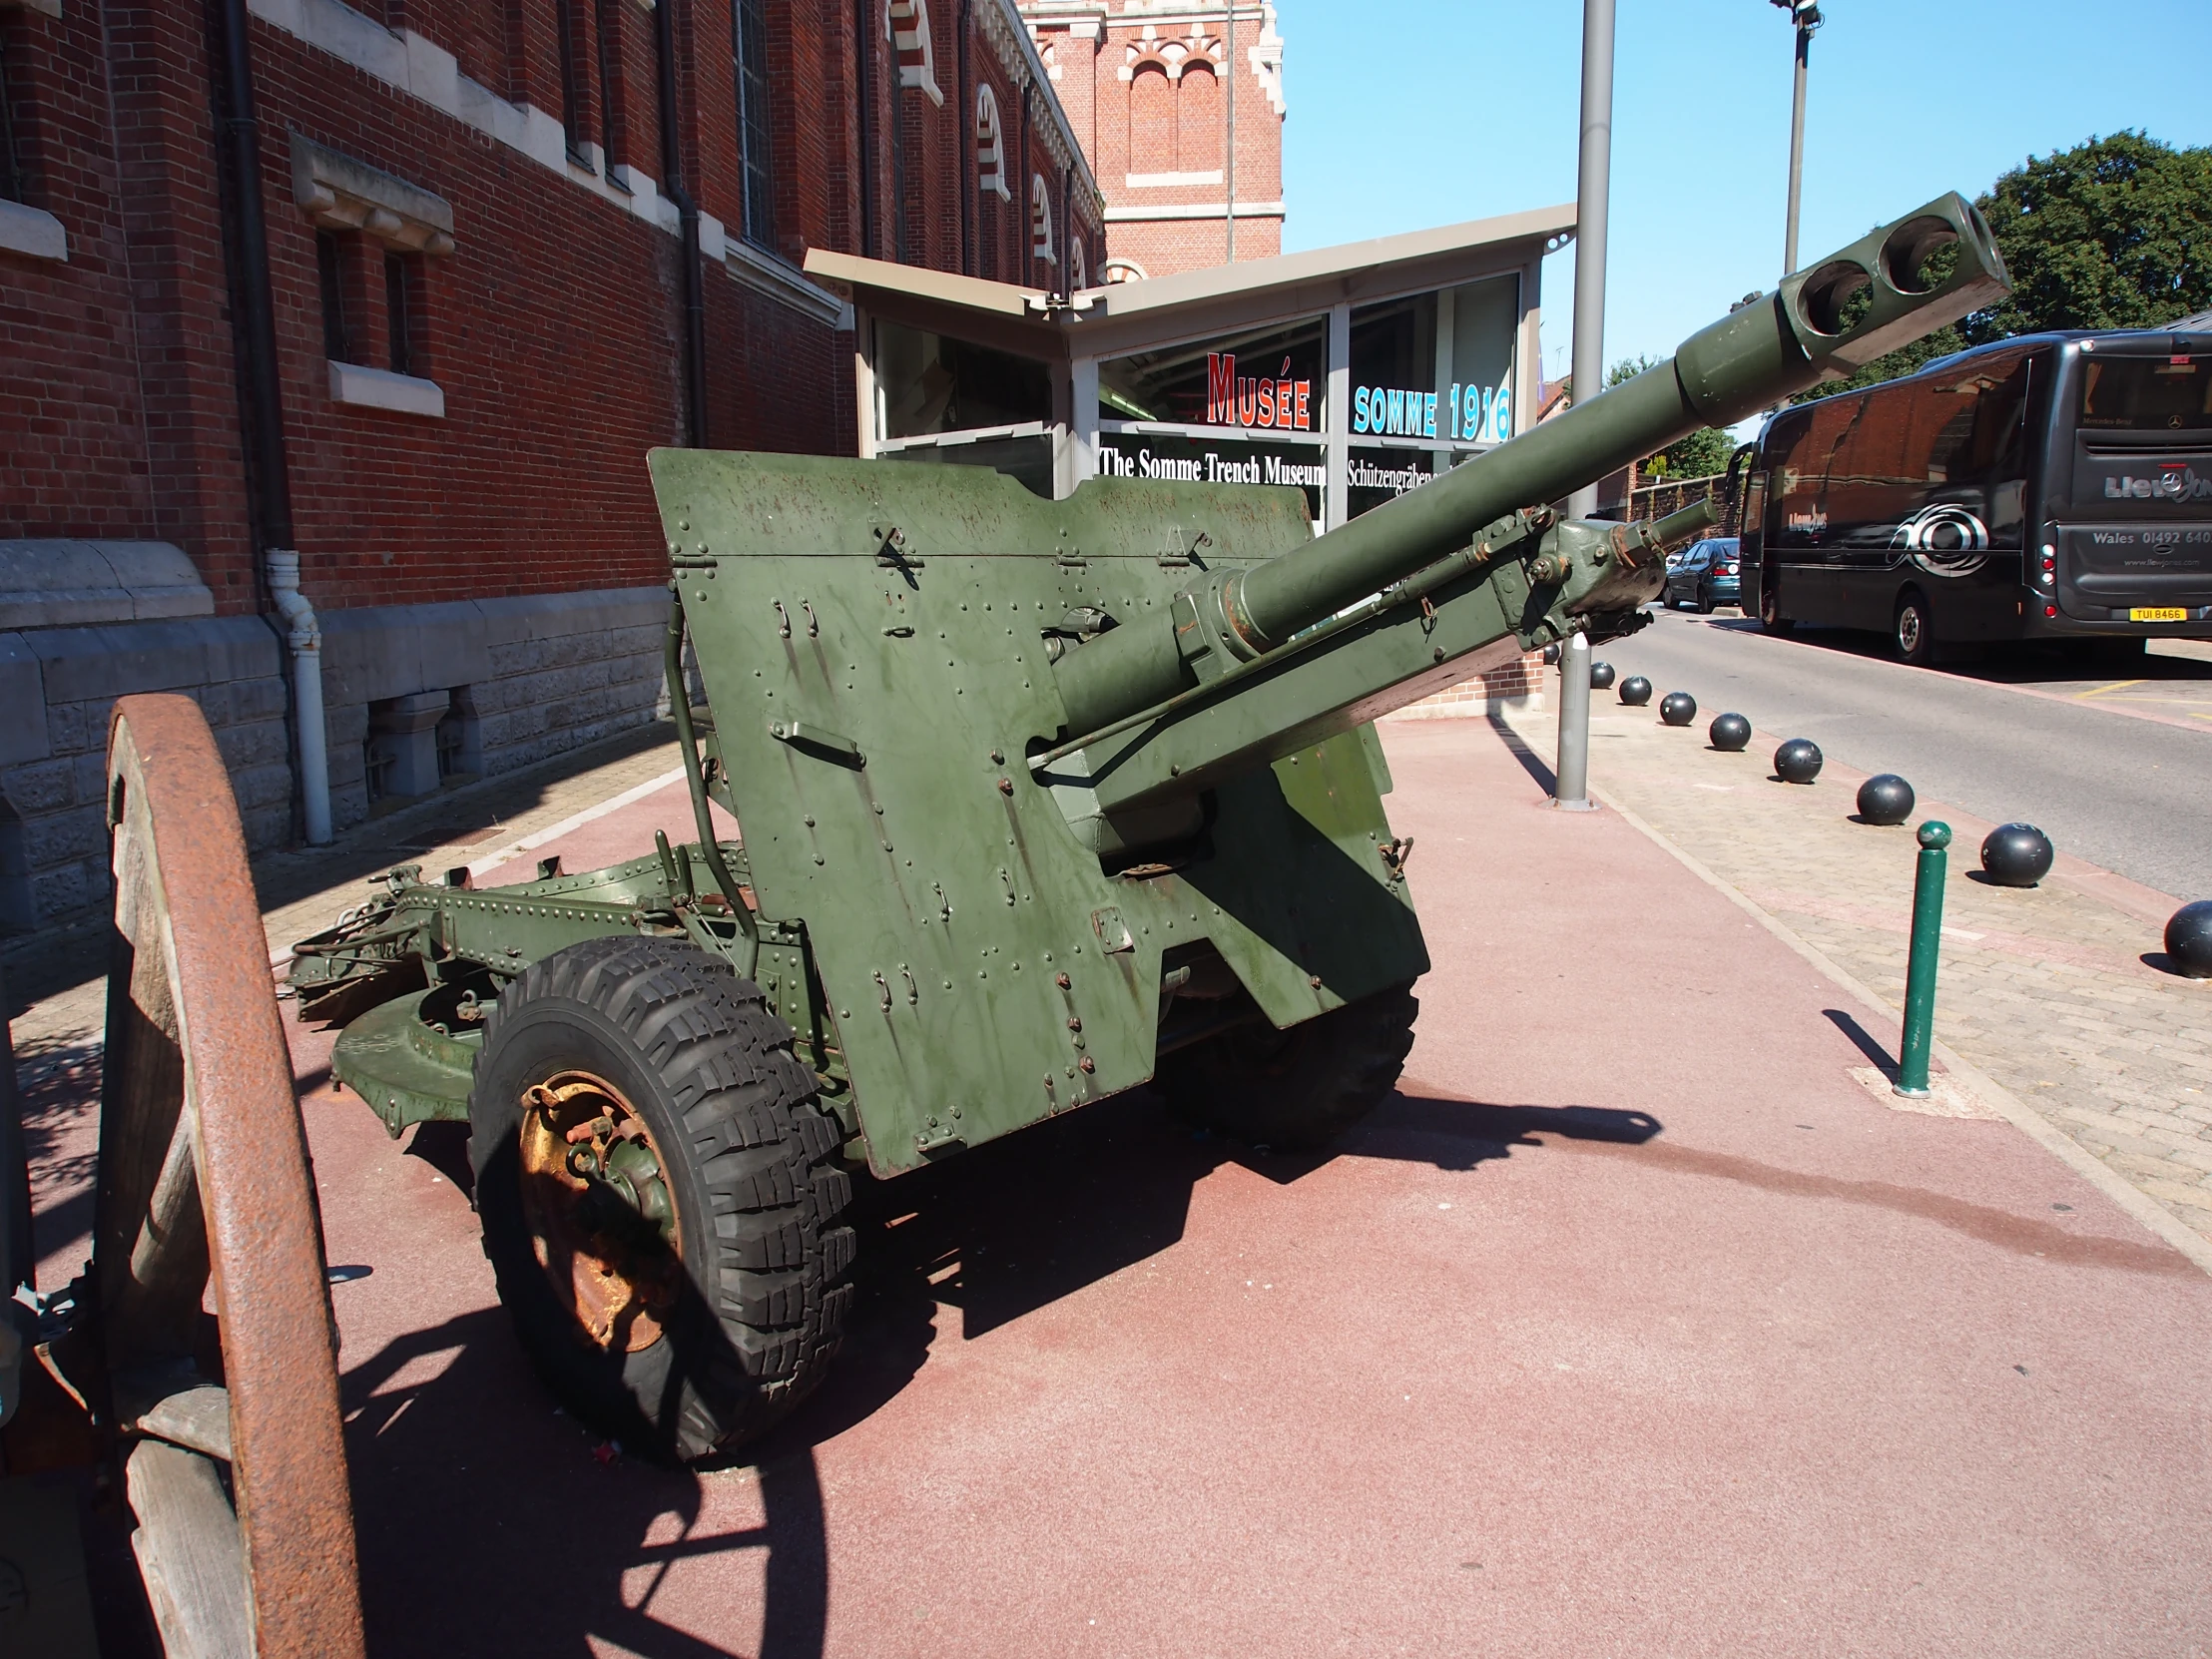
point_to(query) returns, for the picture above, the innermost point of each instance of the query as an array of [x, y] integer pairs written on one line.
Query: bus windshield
[[2147, 393]]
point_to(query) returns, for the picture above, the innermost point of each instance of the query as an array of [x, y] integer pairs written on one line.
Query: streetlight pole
[[1593, 180], [1806, 14]]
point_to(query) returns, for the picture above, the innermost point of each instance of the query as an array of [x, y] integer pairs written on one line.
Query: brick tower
[[1180, 107]]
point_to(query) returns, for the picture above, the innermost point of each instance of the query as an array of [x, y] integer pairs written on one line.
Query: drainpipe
[[269, 471], [687, 217], [863, 99], [306, 640]]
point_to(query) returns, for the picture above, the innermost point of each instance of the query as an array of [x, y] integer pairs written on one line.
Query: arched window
[[1151, 119], [1078, 274], [1198, 120], [990, 145], [917, 58], [1124, 270], [1040, 221]]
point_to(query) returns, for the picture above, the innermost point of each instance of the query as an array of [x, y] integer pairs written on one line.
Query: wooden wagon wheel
[[203, 1181]]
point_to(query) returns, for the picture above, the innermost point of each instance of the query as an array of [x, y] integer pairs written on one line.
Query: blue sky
[[1410, 113]]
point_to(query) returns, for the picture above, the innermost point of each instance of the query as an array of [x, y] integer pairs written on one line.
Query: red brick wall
[[553, 329], [1154, 123], [118, 416]]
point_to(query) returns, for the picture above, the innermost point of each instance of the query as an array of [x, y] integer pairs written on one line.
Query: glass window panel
[[1027, 459], [1271, 379], [935, 384], [1408, 384]]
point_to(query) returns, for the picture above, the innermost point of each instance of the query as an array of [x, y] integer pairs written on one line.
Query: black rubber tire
[[1914, 640], [754, 1168], [1295, 1090], [1704, 602], [1771, 619]]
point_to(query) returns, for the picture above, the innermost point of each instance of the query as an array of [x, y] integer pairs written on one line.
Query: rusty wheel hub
[[602, 1218]]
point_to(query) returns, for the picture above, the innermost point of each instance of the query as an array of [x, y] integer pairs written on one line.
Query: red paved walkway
[[1634, 1326]]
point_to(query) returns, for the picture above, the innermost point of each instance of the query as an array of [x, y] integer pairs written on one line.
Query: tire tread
[[760, 1152]]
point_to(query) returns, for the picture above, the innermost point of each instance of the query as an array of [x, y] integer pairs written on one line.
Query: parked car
[[1704, 576]]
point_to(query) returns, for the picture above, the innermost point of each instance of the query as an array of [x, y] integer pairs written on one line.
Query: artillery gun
[[1040, 802]]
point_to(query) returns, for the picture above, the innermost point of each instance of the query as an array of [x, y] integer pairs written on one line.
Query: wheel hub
[[601, 1216]]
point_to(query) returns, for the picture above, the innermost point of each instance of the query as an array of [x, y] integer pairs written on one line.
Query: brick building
[[1180, 107], [335, 340]]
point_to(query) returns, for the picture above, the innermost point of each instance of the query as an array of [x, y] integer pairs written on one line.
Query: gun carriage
[[1040, 801]]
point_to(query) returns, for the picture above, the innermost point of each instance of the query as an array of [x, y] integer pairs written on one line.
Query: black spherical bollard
[[1884, 799], [1635, 691], [2189, 939], [1798, 760], [1678, 708], [2017, 856], [1730, 734], [1602, 675], [1551, 655]]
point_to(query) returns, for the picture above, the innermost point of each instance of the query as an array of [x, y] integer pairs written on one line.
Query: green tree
[[2115, 232]]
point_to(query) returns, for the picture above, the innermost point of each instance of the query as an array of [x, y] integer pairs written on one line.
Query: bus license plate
[[2158, 613]]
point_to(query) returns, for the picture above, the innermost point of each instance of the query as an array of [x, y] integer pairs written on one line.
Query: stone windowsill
[[771, 274], [377, 388], [32, 231]]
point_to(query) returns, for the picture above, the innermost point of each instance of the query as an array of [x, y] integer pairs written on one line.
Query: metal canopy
[[1121, 318]]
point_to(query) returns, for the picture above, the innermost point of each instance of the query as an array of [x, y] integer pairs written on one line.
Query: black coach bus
[[2052, 486]]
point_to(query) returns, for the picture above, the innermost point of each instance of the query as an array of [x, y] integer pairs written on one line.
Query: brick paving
[[2047, 990]]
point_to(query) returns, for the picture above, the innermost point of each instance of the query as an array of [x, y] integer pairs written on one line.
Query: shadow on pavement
[[487, 1525], [1862, 1039], [1531, 762], [1014, 1226]]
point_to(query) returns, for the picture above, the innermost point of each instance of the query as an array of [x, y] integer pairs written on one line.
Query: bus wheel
[[1771, 619], [1914, 632]]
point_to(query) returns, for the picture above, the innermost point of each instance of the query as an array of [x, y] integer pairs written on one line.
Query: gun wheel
[[660, 1193], [204, 1195], [1294, 1090]]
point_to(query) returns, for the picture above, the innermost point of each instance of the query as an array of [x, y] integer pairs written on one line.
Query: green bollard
[[1919, 971]]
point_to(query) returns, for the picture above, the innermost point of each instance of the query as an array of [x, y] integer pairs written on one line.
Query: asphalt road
[[2130, 793]]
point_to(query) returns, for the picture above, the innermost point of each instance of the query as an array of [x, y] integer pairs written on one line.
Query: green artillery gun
[[1040, 801]]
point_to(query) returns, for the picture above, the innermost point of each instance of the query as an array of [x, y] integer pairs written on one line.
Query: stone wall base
[[416, 698]]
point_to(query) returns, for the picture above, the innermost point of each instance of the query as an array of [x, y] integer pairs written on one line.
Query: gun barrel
[[1685, 524], [1820, 324]]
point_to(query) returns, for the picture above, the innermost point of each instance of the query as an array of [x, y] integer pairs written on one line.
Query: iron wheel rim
[[599, 1212]]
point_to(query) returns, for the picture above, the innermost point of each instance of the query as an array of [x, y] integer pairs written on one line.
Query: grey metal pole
[[1807, 20], [1592, 183], [1570, 788]]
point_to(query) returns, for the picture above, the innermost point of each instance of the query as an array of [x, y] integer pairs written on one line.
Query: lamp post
[[1593, 180], [1806, 14]]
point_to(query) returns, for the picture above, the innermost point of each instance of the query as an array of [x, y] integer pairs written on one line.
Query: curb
[[2029, 1122], [2073, 702]]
